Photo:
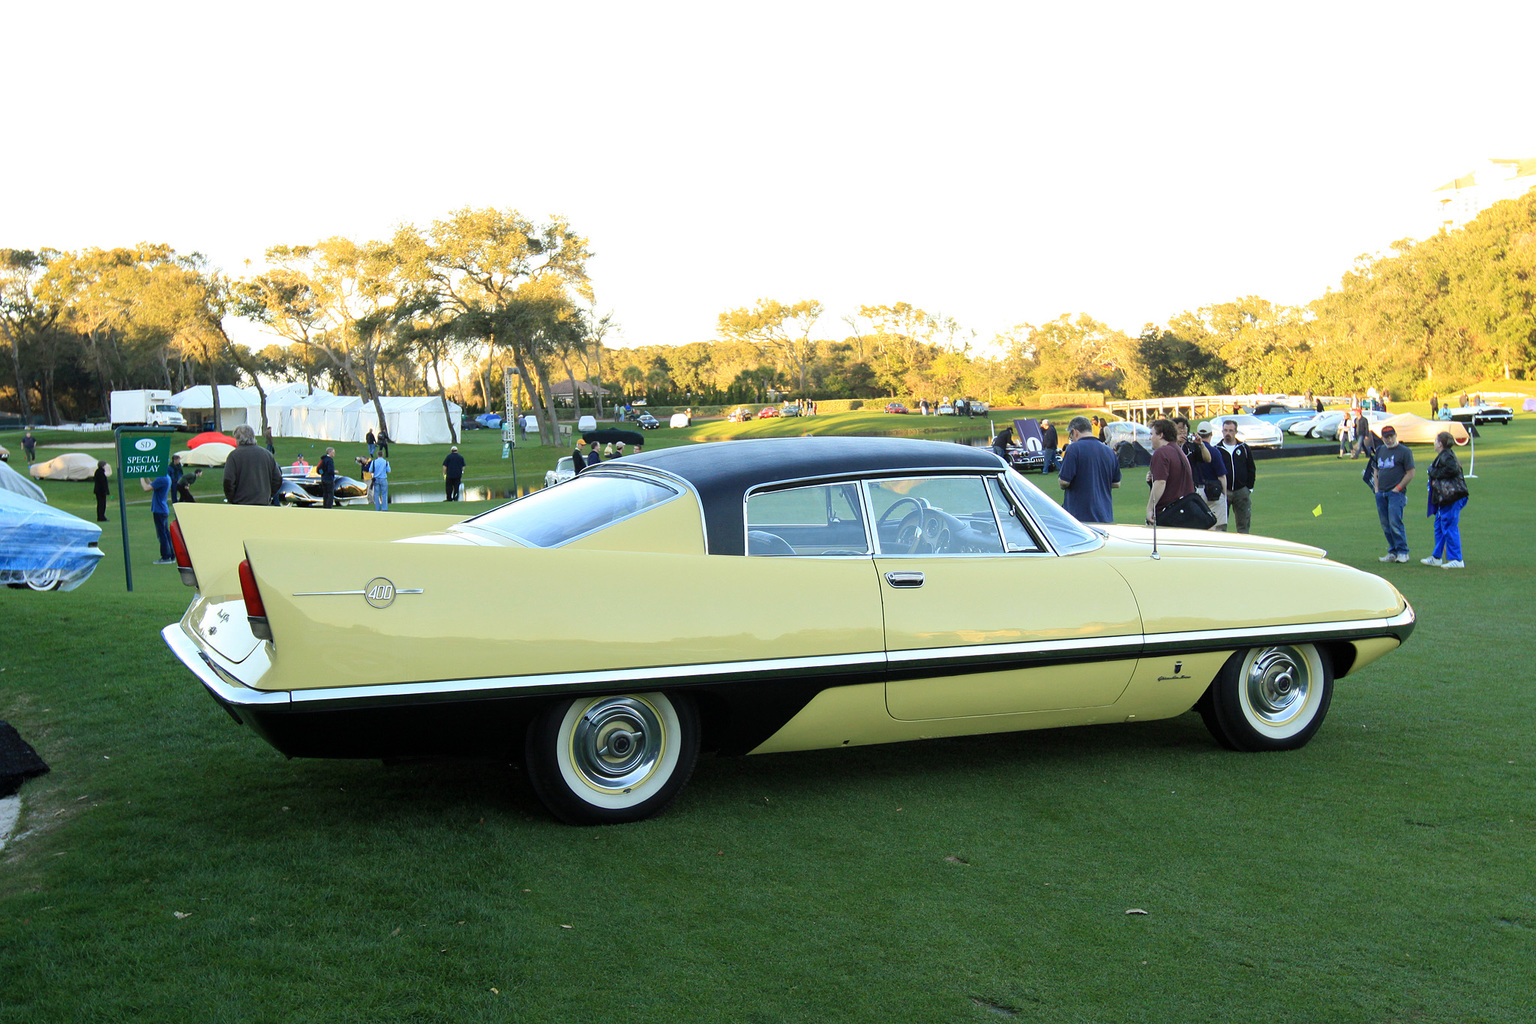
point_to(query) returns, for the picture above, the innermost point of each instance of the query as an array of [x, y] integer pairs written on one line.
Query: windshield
[[557, 515], [1067, 534]]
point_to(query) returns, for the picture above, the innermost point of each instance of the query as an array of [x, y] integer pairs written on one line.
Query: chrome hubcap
[[1278, 683], [617, 742]]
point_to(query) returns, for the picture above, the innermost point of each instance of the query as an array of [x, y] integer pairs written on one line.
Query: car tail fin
[[255, 611], [183, 557]]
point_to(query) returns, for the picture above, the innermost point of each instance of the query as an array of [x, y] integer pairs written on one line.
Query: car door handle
[[904, 580]]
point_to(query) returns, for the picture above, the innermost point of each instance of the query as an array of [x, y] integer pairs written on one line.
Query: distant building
[[1461, 199], [561, 391]]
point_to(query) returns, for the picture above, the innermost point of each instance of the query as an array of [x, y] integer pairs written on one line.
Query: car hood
[[1129, 539]]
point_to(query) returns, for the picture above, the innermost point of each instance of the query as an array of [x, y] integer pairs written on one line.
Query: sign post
[[508, 424], [142, 452]]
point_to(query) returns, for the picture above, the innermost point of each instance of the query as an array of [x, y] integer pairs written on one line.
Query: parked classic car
[[1481, 413], [645, 421], [565, 469], [895, 407], [1414, 429], [767, 413], [1251, 430], [937, 593], [740, 415], [44, 548]]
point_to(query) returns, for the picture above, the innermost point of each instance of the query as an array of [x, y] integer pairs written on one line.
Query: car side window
[[1016, 535], [935, 515], [823, 519]]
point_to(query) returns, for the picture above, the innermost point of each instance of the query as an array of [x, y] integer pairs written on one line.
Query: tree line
[[446, 310]]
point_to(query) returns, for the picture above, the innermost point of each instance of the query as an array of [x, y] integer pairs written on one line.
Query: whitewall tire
[[613, 759], [1269, 698]]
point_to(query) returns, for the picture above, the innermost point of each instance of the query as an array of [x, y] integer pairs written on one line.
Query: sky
[[998, 164]]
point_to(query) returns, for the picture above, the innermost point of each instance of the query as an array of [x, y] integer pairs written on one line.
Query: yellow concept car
[[920, 589]]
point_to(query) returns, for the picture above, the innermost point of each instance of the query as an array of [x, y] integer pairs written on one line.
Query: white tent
[[321, 415], [411, 420], [237, 406], [295, 410]]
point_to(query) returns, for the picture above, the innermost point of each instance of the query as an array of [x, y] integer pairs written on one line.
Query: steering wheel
[[931, 531], [918, 504]]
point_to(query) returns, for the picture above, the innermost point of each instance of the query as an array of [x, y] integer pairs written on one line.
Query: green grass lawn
[[174, 868]]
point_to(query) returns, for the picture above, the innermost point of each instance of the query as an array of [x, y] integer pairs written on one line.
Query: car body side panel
[[1367, 651], [499, 612], [969, 604], [1183, 592]]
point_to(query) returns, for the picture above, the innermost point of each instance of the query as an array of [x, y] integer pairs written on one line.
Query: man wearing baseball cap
[[1392, 469]]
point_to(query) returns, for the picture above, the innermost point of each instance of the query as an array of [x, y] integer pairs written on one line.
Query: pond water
[[407, 494]]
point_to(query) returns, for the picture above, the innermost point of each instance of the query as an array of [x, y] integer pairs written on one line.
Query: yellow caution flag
[[1318, 511]]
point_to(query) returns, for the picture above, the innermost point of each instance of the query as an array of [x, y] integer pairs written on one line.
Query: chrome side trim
[[227, 689], [1153, 643], [555, 682], [353, 593], [1124, 646]]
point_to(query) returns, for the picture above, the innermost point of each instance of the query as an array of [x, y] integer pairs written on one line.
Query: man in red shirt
[[1171, 477]]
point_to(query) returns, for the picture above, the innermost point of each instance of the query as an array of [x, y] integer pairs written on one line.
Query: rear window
[[558, 515]]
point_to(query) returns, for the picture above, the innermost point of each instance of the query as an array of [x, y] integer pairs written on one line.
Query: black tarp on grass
[[18, 761]]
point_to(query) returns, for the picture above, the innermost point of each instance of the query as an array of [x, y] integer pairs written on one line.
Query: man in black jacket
[[1240, 476], [453, 474], [1050, 442], [251, 476], [327, 469]]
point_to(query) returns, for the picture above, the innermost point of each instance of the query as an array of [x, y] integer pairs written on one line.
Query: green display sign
[[143, 455]]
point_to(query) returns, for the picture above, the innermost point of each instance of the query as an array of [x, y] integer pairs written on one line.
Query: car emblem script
[[379, 592]]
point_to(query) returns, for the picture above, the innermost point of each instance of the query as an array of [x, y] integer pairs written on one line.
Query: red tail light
[[183, 558], [254, 609]]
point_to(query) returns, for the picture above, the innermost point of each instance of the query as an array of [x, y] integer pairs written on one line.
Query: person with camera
[[1211, 480]]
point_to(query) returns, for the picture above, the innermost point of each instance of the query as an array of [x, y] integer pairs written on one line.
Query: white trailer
[[148, 407]]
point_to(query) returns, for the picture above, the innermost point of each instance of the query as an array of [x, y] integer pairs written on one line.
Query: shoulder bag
[[1447, 491], [1188, 513]]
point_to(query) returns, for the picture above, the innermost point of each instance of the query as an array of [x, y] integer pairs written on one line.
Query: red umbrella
[[211, 437]]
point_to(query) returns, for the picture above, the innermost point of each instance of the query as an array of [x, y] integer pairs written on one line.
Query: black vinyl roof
[[723, 471]]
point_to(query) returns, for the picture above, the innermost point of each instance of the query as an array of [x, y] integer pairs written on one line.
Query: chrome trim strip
[[560, 681], [354, 593], [1134, 643], [1130, 644], [225, 686]]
